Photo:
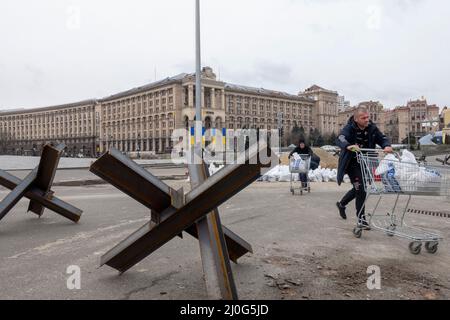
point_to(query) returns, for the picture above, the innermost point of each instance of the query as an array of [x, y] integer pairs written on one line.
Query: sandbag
[[346, 179], [383, 167]]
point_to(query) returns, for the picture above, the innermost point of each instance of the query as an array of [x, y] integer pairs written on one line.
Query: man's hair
[[359, 110]]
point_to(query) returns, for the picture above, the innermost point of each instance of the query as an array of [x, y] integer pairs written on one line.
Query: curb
[[91, 182]]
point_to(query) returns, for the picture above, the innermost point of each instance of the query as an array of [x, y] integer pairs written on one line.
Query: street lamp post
[[216, 264], [198, 85]]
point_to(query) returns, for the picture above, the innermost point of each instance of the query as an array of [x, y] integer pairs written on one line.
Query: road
[[302, 250], [64, 175]]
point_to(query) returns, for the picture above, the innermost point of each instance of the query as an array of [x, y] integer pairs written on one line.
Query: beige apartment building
[[143, 118], [446, 125], [417, 118], [424, 117], [376, 112], [325, 111], [26, 131], [397, 124]]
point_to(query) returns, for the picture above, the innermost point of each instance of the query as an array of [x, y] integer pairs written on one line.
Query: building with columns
[[446, 125], [325, 110], [397, 122], [424, 117], [143, 118], [376, 113], [417, 118]]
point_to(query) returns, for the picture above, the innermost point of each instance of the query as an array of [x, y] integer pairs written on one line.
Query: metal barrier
[[173, 212], [36, 186]]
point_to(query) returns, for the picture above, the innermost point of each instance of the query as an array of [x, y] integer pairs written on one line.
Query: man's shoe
[[341, 210]]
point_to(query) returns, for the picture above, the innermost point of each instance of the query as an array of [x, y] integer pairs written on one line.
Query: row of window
[[260, 101], [165, 95], [255, 126], [295, 109], [84, 112], [60, 135], [118, 127], [137, 136], [43, 121]]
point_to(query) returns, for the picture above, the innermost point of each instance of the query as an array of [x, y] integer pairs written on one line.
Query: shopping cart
[[445, 161], [382, 177], [299, 164]]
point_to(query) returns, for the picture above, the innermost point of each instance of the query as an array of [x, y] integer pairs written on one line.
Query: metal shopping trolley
[[384, 176], [300, 164]]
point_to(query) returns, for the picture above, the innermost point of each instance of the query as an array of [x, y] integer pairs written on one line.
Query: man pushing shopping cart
[[373, 173], [359, 133]]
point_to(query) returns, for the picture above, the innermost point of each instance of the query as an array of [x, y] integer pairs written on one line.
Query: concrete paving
[[302, 250], [65, 175], [28, 162]]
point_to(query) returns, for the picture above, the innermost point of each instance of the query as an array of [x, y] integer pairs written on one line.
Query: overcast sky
[[59, 51]]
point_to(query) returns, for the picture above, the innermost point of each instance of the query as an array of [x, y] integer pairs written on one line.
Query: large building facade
[[375, 109], [445, 116], [325, 112], [27, 131], [143, 118], [417, 119]]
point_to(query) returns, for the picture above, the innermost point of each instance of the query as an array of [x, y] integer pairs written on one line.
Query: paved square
[[302, 250]]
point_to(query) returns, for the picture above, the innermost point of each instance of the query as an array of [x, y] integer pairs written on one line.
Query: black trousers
[[303, 178], [357, 192]]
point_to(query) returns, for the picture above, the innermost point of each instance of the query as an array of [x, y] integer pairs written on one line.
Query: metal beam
[[53, 203], [141, 185], [17, 193], [199, 202], [213, 249], [132, 179], [46, 173]]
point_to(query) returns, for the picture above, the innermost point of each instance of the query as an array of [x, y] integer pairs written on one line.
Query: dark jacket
[[315, 160], [347, 137]]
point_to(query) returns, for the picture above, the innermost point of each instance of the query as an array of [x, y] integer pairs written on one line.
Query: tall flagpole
[[213, 248], [198, 86]]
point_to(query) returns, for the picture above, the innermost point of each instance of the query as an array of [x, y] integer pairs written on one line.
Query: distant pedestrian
[[302, 149]]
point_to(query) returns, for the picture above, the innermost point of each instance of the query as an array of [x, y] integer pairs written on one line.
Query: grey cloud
[[282, 45]]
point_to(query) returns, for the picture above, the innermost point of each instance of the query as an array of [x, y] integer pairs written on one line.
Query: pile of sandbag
[[277, 173], [281, 173], [327, 160], [213, 168], [324, 175], [405, 174]]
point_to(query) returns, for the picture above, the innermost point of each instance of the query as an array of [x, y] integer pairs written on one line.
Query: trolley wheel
[[415, 247], [357, 232], [431, 246], [309, 189], [301, 192], [292, 191], [391, 230]]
